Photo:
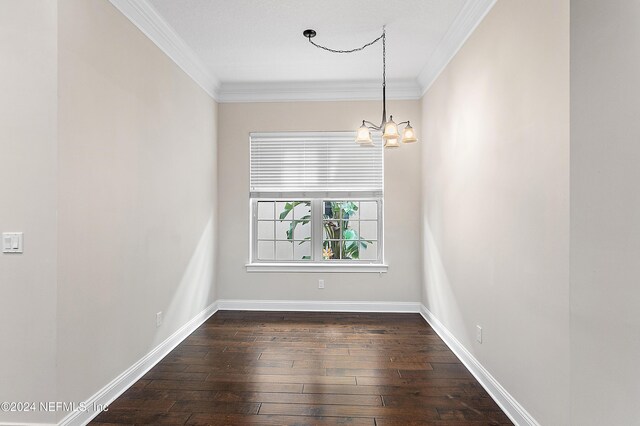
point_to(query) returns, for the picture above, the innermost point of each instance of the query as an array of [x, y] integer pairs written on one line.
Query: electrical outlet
[[320, 283], [479, 334], [159, 319]]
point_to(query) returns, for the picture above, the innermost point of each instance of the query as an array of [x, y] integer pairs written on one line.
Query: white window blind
[[306, 162]]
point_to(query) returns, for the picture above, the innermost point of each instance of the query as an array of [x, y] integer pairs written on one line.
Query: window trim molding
[[316, 264], [316, 267]]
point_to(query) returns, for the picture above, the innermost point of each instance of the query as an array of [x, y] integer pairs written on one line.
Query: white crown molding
[[144, 16], [316, 306], [470, 16], [318, 91], [117, 386], [505, 401]]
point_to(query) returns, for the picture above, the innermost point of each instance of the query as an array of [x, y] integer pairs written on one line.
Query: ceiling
[[253, 50]]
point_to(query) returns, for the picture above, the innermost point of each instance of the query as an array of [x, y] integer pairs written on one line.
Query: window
[[283, 230], [350, 230], [316, 202]]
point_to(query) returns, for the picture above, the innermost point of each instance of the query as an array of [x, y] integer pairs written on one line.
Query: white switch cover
[[320, 283], [12, 242], [479, 334]]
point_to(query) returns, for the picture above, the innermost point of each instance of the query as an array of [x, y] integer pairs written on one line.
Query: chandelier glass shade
[[363, 135], [391, 133]]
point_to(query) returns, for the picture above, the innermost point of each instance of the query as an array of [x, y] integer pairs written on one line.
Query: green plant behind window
[[339, 237], [304, 220]]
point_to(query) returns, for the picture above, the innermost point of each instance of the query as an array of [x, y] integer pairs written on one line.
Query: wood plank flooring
[[302, 368]]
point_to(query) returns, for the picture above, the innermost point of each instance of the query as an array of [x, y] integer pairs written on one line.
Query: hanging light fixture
[[390, 129]]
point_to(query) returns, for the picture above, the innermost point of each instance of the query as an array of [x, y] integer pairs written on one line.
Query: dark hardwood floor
[[301, 368]]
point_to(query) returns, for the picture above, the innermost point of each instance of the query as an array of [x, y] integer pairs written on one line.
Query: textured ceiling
[[261, 40]]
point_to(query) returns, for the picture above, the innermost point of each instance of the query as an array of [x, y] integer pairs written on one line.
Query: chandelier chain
[[357, 49], [390, 129], [382, 37]]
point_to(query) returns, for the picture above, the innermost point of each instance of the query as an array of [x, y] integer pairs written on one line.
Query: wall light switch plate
[[479, 334], [12, 242]]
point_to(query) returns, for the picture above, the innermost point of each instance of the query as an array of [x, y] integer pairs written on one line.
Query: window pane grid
[[342, 230], [279, 224], [348, 231]]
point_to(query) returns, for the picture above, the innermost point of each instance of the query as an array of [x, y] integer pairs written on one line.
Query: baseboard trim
[[28, 424], [316, 306], [117, 386], [505, 401]]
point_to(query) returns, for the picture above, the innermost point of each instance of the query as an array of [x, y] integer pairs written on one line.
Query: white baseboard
[[316, 306], [117, 386], [505, 401], [28, 424]]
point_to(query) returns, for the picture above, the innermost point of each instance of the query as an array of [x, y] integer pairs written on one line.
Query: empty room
[[296, 212]]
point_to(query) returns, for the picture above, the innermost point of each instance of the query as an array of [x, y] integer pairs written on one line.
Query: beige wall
[[110, 168], [402, 206], [605, 212], [28, 120], [496, 201], [137, 191]]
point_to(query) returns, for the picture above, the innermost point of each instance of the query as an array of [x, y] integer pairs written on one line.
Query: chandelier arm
[[393, 127], [372, 126], [357, 49]]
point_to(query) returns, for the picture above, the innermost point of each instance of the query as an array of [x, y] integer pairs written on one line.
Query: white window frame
[[316, 263]]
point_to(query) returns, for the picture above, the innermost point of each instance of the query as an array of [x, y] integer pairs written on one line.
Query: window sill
[[316, 267]]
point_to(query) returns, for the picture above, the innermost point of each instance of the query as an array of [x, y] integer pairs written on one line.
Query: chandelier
[[390, 129]]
